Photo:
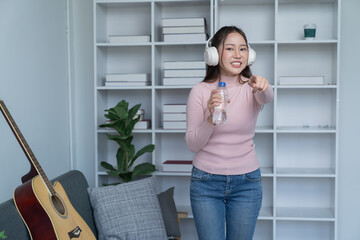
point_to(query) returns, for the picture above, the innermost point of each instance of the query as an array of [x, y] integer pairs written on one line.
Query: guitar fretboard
[[25, 147]]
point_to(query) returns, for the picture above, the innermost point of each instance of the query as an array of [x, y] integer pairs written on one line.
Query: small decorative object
[[123, 121], [310, 31], [2, 235]]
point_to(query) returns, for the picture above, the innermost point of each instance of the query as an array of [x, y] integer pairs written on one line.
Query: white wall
[[34, 86], [82, 62], [349, 161]]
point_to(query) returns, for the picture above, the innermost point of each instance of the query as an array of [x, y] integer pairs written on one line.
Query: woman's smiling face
[[233, 55]]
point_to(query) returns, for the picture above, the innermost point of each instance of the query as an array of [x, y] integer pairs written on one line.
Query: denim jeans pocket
[[199, 175], [254, 176]]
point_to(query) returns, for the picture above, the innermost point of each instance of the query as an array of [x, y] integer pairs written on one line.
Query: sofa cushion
[[128, 211], [169, 212]]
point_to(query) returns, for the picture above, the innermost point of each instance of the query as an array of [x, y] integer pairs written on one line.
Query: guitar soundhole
[[58, 204]]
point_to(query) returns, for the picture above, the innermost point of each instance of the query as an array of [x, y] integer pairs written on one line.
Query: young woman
[[225, 189]]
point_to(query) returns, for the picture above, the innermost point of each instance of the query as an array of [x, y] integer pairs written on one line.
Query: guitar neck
[[25, 147]]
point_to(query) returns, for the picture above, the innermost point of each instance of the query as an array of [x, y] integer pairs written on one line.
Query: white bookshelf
[[297, 134]]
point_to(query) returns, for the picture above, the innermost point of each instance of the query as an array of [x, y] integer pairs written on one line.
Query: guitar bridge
[[75, 233]]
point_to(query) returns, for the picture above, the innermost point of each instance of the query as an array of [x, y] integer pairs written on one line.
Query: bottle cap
[[222, 84]]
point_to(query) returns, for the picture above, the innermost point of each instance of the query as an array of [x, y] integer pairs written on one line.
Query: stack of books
[[129, 38], [143, 123], [183, 73], [184, 29], [174, 116], [124, 80], [177, 166]]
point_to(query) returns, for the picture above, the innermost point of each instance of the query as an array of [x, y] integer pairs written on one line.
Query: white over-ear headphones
[[211, 55]]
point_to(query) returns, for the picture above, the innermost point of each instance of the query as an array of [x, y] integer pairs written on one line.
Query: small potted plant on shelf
[[123, 120]]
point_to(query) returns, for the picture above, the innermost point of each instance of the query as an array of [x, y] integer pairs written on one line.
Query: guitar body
[[44, 208], [49, 217]]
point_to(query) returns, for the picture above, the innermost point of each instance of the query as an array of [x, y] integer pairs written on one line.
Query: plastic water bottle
[[219, 114]]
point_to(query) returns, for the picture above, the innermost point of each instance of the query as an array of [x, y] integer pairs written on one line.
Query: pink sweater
[[225, 149]]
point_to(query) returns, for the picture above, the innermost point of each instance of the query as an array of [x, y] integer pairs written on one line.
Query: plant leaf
[[126, 177], [107, 166], [2, 235], [121, 110], [133, 111], [121, 140], [143, 169], [147, 148], [131, 152], [116, 173]]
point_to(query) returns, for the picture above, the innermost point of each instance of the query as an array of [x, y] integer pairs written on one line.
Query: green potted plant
[[123, 120]]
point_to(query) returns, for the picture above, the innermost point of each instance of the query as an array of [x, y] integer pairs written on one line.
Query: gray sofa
[[75, 185], [76, 188]]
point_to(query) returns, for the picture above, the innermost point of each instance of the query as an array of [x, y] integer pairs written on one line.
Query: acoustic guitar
[[45, 208]]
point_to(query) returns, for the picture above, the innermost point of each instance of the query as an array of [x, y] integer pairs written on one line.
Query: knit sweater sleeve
[[264, 97], [198, 130]]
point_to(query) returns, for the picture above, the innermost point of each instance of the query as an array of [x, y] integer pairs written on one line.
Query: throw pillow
[[169, 212], [128, 211]]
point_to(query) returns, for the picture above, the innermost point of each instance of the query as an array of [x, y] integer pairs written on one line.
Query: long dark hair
[[213, 72]]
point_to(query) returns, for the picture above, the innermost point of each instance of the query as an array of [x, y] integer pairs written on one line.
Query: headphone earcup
[[211, 56], [252, 56]]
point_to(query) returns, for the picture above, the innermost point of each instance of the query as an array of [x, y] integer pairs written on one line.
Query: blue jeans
[[225, 207]]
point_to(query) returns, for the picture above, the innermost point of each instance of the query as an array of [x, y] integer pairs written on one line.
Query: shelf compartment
[[178, 9], [306, 109], [264, 64], [264, 145], [265, 119], [293, 15], [299, 230], [306, 129], [175, 53], [122, 60], [305, 172], [264, 129], [181, 191], [266, 211], [300, 59], [305, 199], [263, 230], [187, 229], [111, 16], [107, 149], [182, 185], [305, 214], [306, 151], [104, 179], [168, 96], [109, 99], [168, 146], [260, 28]]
